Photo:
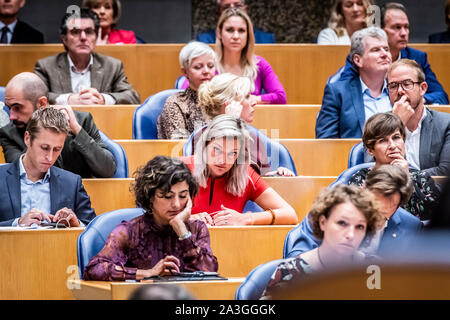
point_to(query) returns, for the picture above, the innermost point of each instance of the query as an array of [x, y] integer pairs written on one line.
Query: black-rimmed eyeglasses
[[406, 85]]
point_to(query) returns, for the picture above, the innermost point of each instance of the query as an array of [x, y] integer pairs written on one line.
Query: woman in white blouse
[[347, 16]]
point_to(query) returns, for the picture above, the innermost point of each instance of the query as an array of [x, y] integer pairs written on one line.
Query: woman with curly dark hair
[[163, 240]]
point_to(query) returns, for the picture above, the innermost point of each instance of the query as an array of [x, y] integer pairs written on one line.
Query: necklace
[[320, 259]]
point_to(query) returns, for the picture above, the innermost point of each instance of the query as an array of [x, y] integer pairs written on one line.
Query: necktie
[[4, 37]]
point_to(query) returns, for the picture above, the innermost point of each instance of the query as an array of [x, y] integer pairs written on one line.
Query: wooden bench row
[[303, 69], [276, 121], [37, 264]]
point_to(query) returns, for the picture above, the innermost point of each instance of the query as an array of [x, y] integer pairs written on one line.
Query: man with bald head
[[84, 152]]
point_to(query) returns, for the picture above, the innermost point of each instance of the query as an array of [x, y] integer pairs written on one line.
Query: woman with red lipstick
[[221, 166], [384, 137], [347, 16], [109, 12], [342, 218], [163, 240]]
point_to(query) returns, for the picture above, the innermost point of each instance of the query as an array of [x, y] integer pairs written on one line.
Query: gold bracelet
[[273, 216]]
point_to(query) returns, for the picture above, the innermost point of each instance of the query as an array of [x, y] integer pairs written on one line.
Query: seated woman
[[235, 45], [384, 138], [347, 16], [181, 114], [163, 240], [343, 218], [221, 167], [230, 94], [109, 12]]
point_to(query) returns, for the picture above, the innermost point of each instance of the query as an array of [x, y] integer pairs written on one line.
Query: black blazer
[[24, 33]]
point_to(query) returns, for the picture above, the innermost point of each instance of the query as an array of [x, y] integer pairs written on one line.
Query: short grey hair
[[192, 50], [33, 87], [358, 39], [224, 126]]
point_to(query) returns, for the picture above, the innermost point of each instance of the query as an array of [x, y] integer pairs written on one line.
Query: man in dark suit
[[210, 35], [84, 152], [395, 23], [33, 191], [392, 187], [348, 103], [13, 30], [427, 131], [79, 75]]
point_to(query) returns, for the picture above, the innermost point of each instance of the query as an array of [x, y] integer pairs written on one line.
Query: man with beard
[[84, 152], [427, 131]]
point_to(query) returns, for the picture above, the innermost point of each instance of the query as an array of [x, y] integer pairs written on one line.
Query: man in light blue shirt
[[33, 191]]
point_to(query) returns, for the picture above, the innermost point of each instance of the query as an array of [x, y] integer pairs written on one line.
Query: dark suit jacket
[[84, 154], [441, 37], [66, 190], [24, 33], [107, 76], [435, 93], [434, 152], [401, 228], [342, 113]]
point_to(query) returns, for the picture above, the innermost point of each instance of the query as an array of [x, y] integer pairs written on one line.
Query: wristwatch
[[185, 236]]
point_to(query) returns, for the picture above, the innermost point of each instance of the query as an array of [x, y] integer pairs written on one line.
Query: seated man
[[210, 35], [348, 103], [79, 75], [427, 131], [395, 23], [13, 30], [392, 187], [84, 152], [33, 191]]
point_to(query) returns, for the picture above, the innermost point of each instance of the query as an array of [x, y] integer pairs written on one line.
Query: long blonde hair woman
[[235, 42], [347, 16]]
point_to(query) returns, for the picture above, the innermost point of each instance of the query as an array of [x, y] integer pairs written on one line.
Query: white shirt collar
[[419, 126], [74, 69]]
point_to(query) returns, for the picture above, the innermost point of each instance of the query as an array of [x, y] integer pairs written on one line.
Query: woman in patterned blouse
[[384, 138], [342, 218], [163, 240], [181, 115]]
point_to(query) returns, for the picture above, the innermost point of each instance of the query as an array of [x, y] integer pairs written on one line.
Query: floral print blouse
[[141, 243], [425, 195]]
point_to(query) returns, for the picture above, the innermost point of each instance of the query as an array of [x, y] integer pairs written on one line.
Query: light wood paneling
[[34, 263], [303, 69], [300, 192]]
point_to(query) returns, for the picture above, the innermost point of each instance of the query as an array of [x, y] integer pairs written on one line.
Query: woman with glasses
[[384, 138], [109, 12], [347, 16], [235, 42], [221, 166]]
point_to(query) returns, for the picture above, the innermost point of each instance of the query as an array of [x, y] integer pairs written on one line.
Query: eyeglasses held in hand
[[406, 85]]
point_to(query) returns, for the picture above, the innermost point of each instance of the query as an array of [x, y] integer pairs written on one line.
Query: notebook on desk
[[186, 276]]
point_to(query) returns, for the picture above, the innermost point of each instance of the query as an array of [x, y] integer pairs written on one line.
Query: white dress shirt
[[81, 80], [412, 143]]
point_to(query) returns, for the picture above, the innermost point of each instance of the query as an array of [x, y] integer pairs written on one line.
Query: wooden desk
[[303, 69], [35, 264], [312, 157], [300, 192], [202, 290]]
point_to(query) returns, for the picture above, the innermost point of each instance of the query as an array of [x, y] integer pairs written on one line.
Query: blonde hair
[[248, 59], [224, 126], [222, 89], [337, 20]]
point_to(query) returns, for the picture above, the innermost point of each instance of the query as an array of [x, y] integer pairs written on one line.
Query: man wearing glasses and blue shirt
[[33, 190], [80, 76], [427, 131]]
